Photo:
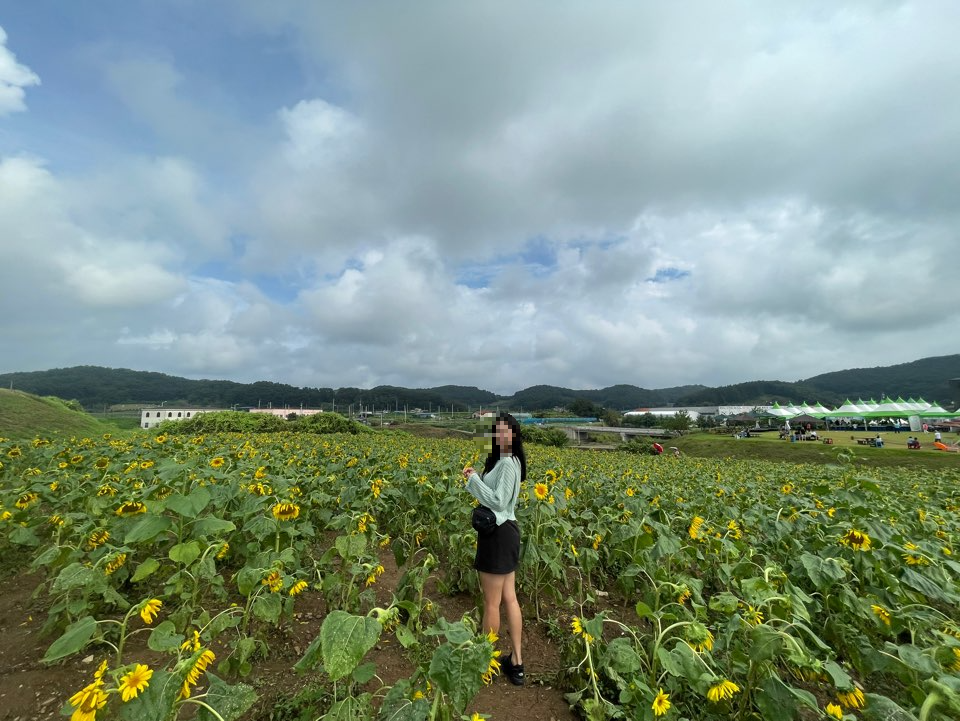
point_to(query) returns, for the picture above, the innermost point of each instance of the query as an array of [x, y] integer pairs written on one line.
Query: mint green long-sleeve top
[[498, 489]]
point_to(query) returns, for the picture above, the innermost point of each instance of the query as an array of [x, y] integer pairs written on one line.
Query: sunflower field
[[678, 588]]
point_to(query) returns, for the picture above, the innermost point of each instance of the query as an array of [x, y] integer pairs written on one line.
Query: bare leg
[[514, 616], [492, 586]]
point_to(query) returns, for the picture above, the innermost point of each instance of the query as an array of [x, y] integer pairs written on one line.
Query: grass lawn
[[769, 447]]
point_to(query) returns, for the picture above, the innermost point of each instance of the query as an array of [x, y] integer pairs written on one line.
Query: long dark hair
[[516, 448]]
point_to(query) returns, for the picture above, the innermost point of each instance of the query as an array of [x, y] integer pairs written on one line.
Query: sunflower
[[852, 699], [661, 704], [217, 462], [131, 508], [493, 667], [684, 595], [86, 702], [191, 644], [733, 528], [101, 463], [857, 540], [694, 530], [161, 438], [551, 476], [286, 511], [834, 711], [97, 538], [224, 550], [274, 580], [135, 681], [723, 690], [193, 675], [260, 489], [150, 609], [699, 637], [25, 500], [576, 625], [567, 493], [753, 616], [540, 490], [116, 564], [881, 613], [298, 587]]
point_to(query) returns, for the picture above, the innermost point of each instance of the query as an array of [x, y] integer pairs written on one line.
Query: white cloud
[[14, 77], [649, 194]]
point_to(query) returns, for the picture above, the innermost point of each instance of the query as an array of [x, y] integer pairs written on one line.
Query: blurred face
[[504, 436]]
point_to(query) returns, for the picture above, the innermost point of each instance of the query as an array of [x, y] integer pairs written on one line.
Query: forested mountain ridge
[[96, 387], [925, 378]]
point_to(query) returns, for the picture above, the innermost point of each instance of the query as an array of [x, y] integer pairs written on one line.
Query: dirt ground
[[31, 691]]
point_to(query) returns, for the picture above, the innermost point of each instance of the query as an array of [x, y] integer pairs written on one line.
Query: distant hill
[[619, 397], [95, 388], [760, 393], [925, 378], [24, 416]]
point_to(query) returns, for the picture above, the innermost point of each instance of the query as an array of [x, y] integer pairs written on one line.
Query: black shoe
[[513, 671]]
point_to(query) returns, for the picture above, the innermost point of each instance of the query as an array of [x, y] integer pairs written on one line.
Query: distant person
[[657, 449], [878, 441], [896, 425], [913, 443], [937, 437]]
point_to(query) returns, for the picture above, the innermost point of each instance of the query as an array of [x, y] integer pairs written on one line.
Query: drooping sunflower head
[[150, 609], [97, 538], [852, 698], [722, 690], [881, 613], [698, 637], [131, 508], [286, 511]]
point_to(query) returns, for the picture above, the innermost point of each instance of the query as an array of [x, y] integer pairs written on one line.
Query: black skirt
[[499, 550]]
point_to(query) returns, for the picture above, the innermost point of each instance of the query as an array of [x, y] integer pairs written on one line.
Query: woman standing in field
[[498, 551]]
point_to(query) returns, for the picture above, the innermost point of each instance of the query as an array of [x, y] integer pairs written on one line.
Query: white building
[[696, 411], [152, 417]]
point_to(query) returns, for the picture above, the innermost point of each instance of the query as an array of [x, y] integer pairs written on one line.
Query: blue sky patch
[[664, 275]]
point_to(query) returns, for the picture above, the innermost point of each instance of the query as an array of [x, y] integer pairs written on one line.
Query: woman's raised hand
[[468, 471]]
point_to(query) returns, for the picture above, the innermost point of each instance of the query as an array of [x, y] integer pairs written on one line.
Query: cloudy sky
[[496, 194]]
